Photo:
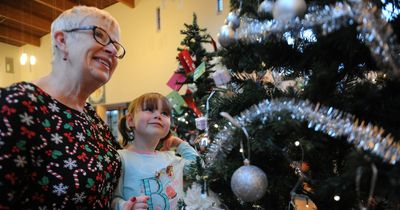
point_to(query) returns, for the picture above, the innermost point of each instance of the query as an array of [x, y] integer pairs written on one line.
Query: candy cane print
[[77, 122], [76, 176], [9, 129], [59, 121], [73, 151], [41, 146], [9, 97], [64, 203], [90, 165], [52, 172], [5, 156], [96, 149]]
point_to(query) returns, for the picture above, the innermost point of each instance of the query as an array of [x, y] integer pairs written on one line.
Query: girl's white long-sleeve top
[[157, 174]]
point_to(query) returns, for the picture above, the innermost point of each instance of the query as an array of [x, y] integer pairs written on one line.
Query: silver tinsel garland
[[328, 120], [373, 28]]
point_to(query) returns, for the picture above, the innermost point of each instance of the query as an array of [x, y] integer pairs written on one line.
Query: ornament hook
[[236, 123]]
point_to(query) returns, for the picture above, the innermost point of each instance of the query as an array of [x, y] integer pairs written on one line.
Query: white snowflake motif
[[80, 136], [43, 208], [20, 161], [60, 189], [99, 166], [32, 97], [27, 119], [53, 107], [107, 159], [78, 198], [38, 162], [29, 87], [70, 164], [56, 138]]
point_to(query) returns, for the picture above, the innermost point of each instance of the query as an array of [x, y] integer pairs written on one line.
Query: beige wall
[[10, 52], [150, 58]]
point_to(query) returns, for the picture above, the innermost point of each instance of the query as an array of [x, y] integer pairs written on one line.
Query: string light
[[336, 198], [297, 143]]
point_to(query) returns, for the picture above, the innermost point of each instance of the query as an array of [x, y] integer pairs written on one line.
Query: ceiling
[[26, 21]]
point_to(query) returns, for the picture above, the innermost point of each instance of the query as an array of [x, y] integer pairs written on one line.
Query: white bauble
[[285, 10]]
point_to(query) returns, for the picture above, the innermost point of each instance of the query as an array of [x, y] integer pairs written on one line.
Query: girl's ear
[[130, 121]]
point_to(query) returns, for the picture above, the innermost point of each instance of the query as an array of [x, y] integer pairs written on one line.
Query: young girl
[[150, 179]]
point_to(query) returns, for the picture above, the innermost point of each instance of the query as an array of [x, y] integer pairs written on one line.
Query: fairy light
[[297, 143], [336, 198]]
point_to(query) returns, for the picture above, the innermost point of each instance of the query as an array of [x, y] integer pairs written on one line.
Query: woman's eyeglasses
[[102, 37]]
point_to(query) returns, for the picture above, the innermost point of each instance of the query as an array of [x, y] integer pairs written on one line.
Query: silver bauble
[[285, 10], [265, 8], [249, 183], [233, 19], [226, 36]]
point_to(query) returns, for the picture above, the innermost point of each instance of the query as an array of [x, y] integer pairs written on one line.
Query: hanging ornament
[[233, 19], [302, 202], [221, 77], [249, 183], [201, 123], [195, 199], [285, 10], [203, 141], [226, 36], [265, 9]]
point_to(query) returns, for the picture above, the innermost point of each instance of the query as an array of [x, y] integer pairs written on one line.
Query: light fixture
[[32, 60], [23, 59]]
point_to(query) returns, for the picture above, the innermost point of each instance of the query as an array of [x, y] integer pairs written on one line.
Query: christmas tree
[[315, 100], [193, 73]]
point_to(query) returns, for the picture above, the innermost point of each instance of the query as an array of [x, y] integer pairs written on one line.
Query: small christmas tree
[[195, 67]]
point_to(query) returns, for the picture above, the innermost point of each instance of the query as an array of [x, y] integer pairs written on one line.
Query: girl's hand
[[137, 203], [171, 142]]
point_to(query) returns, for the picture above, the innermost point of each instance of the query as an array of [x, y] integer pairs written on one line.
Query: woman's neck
[[63, 91]]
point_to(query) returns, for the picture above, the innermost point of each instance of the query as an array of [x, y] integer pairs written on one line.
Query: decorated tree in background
[[195, 66], [315, 100]]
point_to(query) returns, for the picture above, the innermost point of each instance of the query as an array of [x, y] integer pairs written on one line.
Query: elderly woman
[[55, 152]]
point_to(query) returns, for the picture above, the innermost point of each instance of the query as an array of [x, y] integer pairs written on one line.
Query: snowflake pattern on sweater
[[52, 156]]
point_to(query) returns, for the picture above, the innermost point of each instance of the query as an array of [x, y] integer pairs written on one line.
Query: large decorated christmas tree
[[310, 117]]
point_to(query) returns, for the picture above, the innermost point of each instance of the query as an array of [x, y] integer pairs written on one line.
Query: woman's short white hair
[[73, 18]]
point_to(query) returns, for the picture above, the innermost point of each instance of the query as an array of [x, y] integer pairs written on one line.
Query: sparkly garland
[[373, 28], [331, 121]]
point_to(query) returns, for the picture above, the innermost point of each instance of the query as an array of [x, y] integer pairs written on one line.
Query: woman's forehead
[[109, 26]]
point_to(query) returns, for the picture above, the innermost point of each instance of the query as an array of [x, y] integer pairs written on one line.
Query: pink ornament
[[221, 77], [201, 123]]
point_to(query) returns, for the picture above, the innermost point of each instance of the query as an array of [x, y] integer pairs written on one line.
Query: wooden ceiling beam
[[129, 3], [18, 36], [21, 17], [60, 6]]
